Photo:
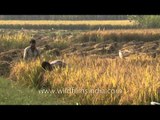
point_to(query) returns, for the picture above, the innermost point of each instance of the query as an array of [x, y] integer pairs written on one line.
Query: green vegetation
[[13, 94], [146, 21]]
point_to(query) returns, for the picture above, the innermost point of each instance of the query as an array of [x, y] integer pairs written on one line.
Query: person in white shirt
[[52, 65], [31, 52]]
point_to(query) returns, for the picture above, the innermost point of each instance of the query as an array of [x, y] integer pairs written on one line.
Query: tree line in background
[[63, 17], [146, 21]]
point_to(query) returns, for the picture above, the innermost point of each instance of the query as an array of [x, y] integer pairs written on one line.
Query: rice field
[[86, 79], [12, 39], [64, 22], [96, 81], [121, 35], [67, 25]]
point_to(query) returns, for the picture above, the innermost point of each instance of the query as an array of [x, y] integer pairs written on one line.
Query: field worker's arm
[[25, 54]]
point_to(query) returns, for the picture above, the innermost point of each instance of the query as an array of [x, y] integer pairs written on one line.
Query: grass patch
[[13, 94]]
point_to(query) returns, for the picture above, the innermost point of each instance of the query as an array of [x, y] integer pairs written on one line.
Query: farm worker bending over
[[52, 65], [31, 52]]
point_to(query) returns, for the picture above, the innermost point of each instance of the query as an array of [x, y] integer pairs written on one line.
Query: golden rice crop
[[13, 40], [100, 81], [29, 74], [120, 35], [65, 22]]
